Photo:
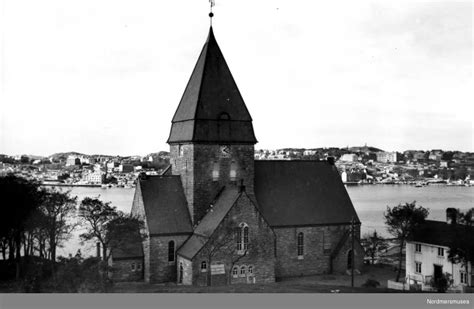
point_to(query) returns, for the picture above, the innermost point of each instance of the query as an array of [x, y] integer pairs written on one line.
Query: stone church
[[217, 216]]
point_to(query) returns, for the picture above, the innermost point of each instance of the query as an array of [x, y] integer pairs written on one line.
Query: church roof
[[210, 222], [165, 205], [292, 193], [212, 108]]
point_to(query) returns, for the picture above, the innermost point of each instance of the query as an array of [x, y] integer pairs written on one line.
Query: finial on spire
[[212, 3]]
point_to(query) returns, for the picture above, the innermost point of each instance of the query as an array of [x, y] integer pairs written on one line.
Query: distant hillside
[[364, 149]]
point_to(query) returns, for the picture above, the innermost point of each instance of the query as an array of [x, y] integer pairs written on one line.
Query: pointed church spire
[[212, 109]]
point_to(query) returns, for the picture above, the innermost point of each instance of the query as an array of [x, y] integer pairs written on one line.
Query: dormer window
[[224, 116]]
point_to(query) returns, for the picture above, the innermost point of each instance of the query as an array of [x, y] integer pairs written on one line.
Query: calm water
[[369, 201]]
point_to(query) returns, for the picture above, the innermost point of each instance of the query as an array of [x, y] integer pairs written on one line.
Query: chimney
[[451, 215]]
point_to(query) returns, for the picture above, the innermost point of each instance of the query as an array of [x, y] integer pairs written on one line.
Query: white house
[[427, 257]]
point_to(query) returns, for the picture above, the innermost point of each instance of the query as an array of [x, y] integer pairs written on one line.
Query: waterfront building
[[217, 216], [427, 256], [388, 157]]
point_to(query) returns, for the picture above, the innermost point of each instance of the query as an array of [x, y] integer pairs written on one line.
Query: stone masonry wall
[[161, 270], [261, 253], [340, 261], [187, 270], [196, 165], [123, 271], [319, 242]]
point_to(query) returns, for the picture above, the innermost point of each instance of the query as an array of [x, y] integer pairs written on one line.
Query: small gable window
[[215, 171], [171, 251], [235, 271], [440, 251], [233, 171], [300, 245], [204, 266]]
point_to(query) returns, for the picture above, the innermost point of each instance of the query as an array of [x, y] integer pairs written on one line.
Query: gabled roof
[[165, 205], [212, 108], [439, 233], [291, 193], [130, 249], [210, 222]]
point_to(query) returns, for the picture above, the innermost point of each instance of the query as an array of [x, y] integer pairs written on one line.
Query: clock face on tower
[[225, 151]]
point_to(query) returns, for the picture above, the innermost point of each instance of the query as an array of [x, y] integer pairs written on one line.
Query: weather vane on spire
[[212, 3]]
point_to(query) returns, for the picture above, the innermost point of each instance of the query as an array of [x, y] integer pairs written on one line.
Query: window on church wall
[[246, 238], [233, 171], [203, 266], [139, 266], [132, 267], [171, 251], [300, 245], [235, 271], [180, 150], [243, 270], [238, 238], [215, 171], [242, 238], [250, 270]]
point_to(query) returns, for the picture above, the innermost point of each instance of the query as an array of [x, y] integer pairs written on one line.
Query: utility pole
[[352, 252]]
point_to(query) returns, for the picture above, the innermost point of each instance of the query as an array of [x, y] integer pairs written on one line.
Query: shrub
[[371, 283]]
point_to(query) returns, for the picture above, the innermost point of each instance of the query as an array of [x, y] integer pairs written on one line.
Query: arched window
[[242, 237], [246, 238], [203, 266], [243, 270], [235, 271], [250, 270], [171, 251], [233, 171], [300, 244], [215, 171]]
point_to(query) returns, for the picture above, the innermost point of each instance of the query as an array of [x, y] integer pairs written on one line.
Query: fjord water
[[370, 202]]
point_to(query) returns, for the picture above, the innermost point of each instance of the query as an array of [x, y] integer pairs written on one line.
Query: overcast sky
[[106, 76]]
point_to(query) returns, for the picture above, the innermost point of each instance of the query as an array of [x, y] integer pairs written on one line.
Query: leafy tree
[[373, 244], [462, 237], [20, 198], [58, 208], [401, 220], [97, 215]]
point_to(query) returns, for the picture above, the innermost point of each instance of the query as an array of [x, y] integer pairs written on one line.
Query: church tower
[[212, 138]]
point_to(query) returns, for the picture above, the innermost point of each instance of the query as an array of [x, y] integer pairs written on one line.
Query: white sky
[[106, 76]]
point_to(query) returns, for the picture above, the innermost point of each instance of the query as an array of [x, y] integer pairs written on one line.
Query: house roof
[[438, 233], [129, 249], [165, 205], [212, 108], [298, 192], [210, 222]]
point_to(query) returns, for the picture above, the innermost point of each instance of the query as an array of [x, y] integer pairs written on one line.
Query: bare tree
[[373, 244]]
